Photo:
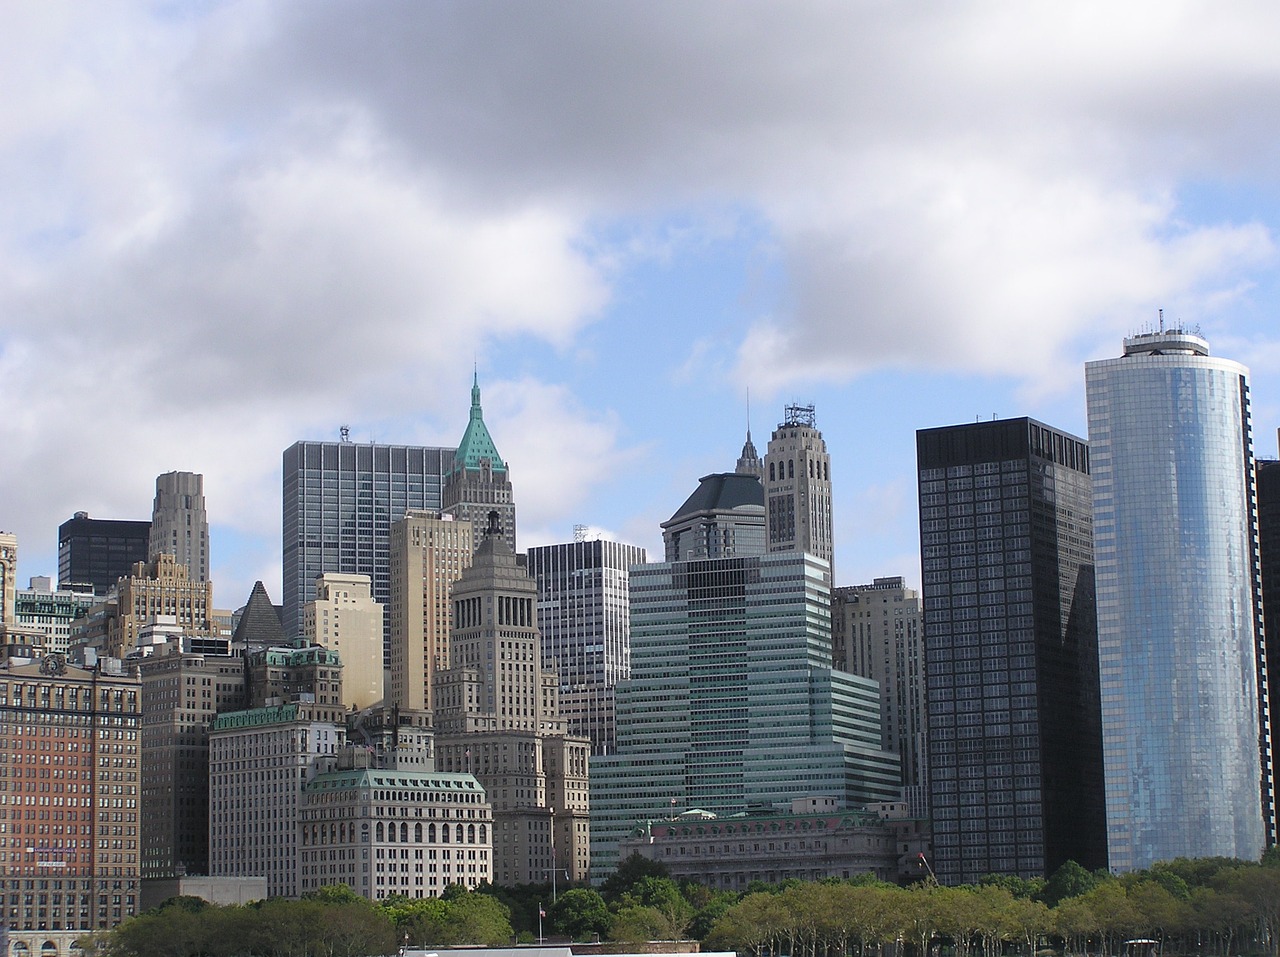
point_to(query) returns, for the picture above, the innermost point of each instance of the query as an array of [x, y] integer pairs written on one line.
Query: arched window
[[771, 472], [791, 468], [48, 949], [431, 833], [378, 836], [484, 834], [417, 832], [404, 832], [811, 468], [444, 833], [471, 833], [458, 834], [826, 472]]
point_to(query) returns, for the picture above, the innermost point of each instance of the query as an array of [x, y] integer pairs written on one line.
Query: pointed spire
[[477, 444], [749, 462]]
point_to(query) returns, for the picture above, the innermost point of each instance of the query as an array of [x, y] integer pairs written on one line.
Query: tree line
[[1213, 907]]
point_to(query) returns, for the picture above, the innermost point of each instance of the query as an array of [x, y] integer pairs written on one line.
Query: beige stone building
[[877, 631], [8, 577], [345, 619], [389, 830], [70, 842], [797, 486], [180, 524], [157, 589], [497, 718], [429, 552], [259, 762], [817, 839]]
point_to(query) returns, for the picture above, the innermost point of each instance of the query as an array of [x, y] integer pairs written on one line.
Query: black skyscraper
[[98, 552], [1015, 744], [1268, 480]]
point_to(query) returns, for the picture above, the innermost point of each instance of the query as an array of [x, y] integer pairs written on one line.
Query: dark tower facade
[[99, 552], [1010, 636], [1268, 488]]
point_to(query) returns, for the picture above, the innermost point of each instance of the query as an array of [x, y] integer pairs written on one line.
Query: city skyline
[[899, 216]]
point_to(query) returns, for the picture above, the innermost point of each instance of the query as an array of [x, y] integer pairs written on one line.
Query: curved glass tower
[[1179, 632]]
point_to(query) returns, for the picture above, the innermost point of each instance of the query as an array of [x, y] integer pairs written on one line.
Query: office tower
[[70, 852], [878, 632], [585, 620], [49, 611], [345, 619], [1015, 759], [340, 501], [179, 524], [306, 674], [259, 762], [479, 483], [259, 625], [429, 552], [797, 486], [8, 577], [732, 701], [1185, 739], [182, 692], [423, 829], [155, 592], [496, 717], [1268, 480], [98, 552], [723, 518]]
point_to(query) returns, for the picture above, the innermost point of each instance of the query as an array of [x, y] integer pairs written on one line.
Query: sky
[[645, 225]]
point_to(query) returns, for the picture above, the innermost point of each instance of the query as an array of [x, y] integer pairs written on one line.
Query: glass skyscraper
[[1015, 754], [732, 700], [1179, 630], [584, 616], [340, 500]]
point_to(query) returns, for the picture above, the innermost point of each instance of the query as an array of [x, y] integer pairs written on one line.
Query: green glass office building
[[732, 700]]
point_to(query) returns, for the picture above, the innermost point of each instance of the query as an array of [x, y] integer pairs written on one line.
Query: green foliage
[[633, 869], [1069, 880], [581, 914]]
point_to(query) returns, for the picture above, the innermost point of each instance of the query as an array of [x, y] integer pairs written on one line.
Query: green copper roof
[[477, 443]]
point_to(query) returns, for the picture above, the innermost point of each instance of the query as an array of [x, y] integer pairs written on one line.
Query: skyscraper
[[797, 486], [340, 501], [429, 552], [345, 619], [98, 552], [1268, 473], [179, 523], [478, 483], [71, 865], [878, 632], [585, 620], [1179, 617], [732, 700], [1015, 755], [497, 717], [723, 518]]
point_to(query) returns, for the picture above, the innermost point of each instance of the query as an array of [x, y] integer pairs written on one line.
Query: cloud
[[226, 226], [558, 451]]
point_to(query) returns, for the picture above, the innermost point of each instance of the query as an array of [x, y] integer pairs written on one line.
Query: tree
[[478, 919], [581, 914], [1069, 880], [633, 869]]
